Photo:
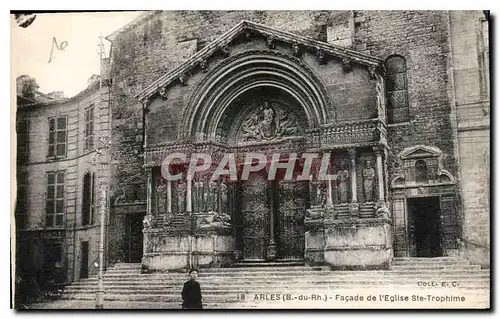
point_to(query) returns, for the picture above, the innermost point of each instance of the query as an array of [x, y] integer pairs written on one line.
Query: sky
[[70, 68]]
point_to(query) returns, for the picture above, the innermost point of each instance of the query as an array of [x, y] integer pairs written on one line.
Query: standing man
[[191, 293]]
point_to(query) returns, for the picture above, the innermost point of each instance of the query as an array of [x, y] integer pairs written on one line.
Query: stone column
[[329, 193], [149, 191], [271, 249], [169, 198], [354, 189], [380, 174], [354, 206], [189, 183]]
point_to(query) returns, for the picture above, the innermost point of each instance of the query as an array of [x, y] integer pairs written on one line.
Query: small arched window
[[396, 87], [87, 198]]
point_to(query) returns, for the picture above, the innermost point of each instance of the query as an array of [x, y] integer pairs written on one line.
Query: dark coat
[[191, 295]]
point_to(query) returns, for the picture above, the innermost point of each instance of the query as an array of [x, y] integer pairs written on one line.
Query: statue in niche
[[224, 197], [368, 177], [342, 177], [212, 196], [267, 123], [181, 196], [318, 193], [161, 198]]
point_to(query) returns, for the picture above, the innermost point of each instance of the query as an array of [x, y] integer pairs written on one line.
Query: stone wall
[[470, 65]]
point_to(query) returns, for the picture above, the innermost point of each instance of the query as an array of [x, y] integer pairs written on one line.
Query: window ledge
[[398, 124]]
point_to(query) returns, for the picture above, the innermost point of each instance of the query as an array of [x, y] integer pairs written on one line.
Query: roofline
[[227, 37], [87, 90], [111, 37]]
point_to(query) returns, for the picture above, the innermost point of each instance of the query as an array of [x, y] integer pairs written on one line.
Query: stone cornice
[[221, 45], [342, 135]]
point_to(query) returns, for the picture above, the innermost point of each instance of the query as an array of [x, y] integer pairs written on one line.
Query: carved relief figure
[[268, 123], [215, 220], [342, 177], [161, 198], [368, 177], [318, 193], [288, 126], [268, 126], [251, 127], [223, 198]]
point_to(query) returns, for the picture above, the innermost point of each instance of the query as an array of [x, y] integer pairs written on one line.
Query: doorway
[[84, 264], [424, 227], [283, 204], [133, 237]]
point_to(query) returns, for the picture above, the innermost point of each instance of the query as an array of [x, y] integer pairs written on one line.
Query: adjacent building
[[58, 180]]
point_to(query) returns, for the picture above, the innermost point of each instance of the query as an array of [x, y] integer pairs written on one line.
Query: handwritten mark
[[61, 46]]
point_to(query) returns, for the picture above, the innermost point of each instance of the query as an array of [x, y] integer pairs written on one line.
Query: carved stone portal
[[268, 123]]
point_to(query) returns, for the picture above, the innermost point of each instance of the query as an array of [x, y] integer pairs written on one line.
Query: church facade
[[374, 91], [392, 105]]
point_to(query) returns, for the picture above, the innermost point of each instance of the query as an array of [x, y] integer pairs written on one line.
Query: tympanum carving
[[269, 123]]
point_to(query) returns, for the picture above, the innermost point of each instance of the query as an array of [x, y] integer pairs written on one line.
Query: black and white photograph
[[250, 159]]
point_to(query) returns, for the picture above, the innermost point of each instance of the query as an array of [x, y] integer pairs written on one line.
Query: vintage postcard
[[251, 159]]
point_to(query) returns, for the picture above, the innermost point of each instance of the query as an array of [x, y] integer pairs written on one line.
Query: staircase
[[126, 287]]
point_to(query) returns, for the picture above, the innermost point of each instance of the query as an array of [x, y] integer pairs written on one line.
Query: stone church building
[[399, 99]]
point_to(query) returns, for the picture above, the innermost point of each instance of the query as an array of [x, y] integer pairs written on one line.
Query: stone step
[[346, 281], [152, 297], [171, 298], [433, 266], [422, 263], [209, 289], [296, 264], [238, 272]]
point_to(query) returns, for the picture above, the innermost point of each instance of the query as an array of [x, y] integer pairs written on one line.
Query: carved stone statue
[[215, 219], [318, 193], [314, 214], [161, 198], [368, 177], [224, 197], [181, 197], [146, 222], [212, 196], [342, 177], [382, 210]]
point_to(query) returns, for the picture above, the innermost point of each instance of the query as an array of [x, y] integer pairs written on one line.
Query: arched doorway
[[272, 208]]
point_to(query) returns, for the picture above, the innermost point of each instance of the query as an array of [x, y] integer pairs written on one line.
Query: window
[[89, 128], [57, 136], [88, 199], [55, 199], [397, 93], [22, 129]]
